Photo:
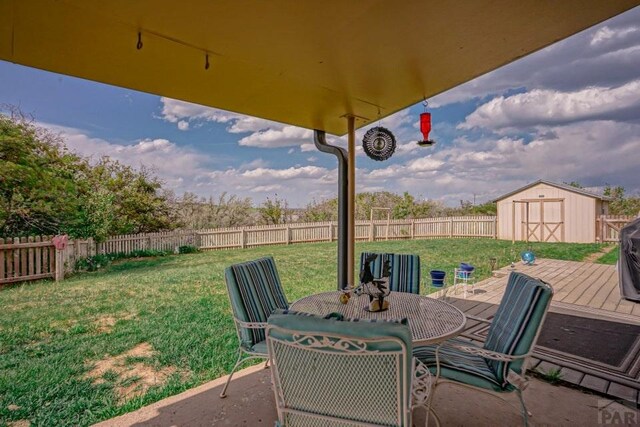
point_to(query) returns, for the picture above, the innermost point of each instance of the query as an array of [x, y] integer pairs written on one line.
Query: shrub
[[188, 249], [98, 261]]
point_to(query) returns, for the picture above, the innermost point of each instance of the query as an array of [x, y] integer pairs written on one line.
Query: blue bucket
[[437, 278], [465, 270], [466, 267]]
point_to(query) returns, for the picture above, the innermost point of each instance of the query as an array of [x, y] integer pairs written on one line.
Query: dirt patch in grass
[[596, 255], [19, 423], [134, 375], [105, 324]]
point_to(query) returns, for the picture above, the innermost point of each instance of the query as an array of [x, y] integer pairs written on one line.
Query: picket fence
[[27, 258], [608, 227], [34, 258]]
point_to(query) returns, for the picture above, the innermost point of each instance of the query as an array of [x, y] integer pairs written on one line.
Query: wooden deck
[[580, 288]]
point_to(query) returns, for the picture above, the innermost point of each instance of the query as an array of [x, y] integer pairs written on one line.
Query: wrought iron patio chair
[[254, 292], [339, 373], [499, 366], [405, 270]]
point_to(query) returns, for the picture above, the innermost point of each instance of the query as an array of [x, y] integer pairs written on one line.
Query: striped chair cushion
[[459, 366], [405, 270], [255, 292], [517, 321]]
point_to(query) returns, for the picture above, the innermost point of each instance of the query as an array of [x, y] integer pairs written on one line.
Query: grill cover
[[629, 264]]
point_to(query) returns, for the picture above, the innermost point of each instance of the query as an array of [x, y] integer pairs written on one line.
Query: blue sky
[[570, 112]]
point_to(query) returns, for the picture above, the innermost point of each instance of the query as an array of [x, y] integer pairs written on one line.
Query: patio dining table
[[430, 320]]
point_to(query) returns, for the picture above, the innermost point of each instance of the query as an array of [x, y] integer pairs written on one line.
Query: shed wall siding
[[579, 213]]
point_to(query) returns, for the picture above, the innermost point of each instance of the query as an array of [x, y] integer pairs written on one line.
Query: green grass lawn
[[52, 333], [611, 257]]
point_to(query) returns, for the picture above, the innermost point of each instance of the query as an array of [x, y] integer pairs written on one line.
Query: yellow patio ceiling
[[302, 62]]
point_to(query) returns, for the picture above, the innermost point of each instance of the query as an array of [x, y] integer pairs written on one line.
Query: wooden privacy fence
[[27, 258], [608, 227], [33, 258]]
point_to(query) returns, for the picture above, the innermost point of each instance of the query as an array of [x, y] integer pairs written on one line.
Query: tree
[[326, 210], [39, 189], [621, 205], [139, 204], [46, 189], [575, 184], [195, 212], [274, 211]]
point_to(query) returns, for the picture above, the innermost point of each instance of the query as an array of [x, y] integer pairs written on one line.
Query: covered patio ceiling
[[304, 63]]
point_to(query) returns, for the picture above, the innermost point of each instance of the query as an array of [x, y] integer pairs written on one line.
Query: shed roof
[[306, 63], [566, 187]]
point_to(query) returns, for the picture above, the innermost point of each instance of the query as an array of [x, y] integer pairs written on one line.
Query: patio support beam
[[351, 205], [319, 138]]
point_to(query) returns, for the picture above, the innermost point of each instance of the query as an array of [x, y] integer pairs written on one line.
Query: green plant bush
[[98, 261], [188, 249]]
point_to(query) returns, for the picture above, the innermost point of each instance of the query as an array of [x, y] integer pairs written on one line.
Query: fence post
[[330, 231], [59, 265], [450, 227], [288, 231], [2, 252], [495, 227], [372, 232], [16, 258], [243, 238]]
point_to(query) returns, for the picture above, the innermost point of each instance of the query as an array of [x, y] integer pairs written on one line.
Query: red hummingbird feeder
[[425, 127]]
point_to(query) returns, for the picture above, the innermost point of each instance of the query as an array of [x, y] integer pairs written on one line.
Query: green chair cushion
[[260, 347], [405, 270], [459, 366], [255, 292], [316, 377], [517, 321]]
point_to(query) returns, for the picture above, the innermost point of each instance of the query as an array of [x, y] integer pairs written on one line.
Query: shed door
[[543, 220]]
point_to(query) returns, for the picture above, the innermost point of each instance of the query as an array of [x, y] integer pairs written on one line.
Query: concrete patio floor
[[582, 289], [250, 402]]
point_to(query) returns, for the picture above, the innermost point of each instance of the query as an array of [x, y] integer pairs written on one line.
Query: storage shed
[[545, 211]]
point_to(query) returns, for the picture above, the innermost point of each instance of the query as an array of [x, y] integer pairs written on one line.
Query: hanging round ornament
[[379, 143]]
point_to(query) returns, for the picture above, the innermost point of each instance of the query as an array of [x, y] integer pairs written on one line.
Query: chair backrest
[[255, 292], [405, 270], [332, 372], [517, 323]]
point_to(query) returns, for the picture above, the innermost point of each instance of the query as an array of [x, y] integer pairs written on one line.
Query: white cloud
[[178, 166], [285, 137], [606, 34], [605, 55], [244, 124], [253, 164], [544, 107], [174, 111], [183, 125], [266, 188], [289, 173], [424, 164], [593, 153]]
